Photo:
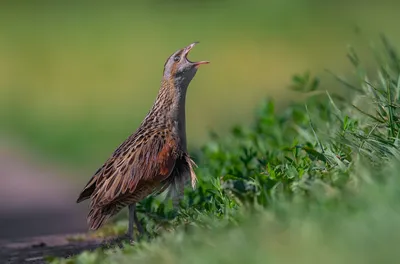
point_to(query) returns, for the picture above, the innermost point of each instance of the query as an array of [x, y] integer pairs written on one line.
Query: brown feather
[[154, 158], [120, 185]]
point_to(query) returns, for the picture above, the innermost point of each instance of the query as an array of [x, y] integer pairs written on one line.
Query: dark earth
[[38, 212], [35, 250]]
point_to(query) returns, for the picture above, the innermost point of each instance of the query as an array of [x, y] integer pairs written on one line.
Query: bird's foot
[[120, 241]]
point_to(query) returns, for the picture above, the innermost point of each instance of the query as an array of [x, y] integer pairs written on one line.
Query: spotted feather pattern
[[152, 160], [149, 161]]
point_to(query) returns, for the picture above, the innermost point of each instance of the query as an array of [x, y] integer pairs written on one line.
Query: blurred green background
[[76, 78]]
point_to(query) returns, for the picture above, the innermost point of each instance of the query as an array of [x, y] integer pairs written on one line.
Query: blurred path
[[35, 250], [35, 198]]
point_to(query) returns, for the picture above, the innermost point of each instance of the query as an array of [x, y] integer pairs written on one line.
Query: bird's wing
[[148, 159]]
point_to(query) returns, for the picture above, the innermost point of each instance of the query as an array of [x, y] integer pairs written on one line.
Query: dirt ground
[[37, 200], [34, 250]]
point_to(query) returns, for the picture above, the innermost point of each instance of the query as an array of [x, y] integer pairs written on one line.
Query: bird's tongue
[[200, 63]]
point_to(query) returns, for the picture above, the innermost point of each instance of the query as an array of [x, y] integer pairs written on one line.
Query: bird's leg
[[132, 216], [137, 222], [175, 203], [179, 196], [129, 235]]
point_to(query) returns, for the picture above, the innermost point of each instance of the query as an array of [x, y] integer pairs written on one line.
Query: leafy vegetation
[[316, 183]]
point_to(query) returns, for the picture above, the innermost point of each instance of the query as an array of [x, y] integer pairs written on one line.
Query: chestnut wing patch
[[166, 159], [149, 164]]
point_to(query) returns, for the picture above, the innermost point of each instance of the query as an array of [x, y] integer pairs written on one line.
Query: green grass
[[317, 183]]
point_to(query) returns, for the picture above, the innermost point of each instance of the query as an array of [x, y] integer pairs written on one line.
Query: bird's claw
[[118, 241]]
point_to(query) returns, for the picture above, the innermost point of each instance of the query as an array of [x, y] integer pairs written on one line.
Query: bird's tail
[[99, 215]]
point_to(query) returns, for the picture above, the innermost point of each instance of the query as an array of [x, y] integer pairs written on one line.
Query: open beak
[[186, 52]]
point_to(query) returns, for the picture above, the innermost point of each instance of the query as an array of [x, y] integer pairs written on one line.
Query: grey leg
[[130, 234], [137, 222], [178, 196], [175, 203], [132, 216]]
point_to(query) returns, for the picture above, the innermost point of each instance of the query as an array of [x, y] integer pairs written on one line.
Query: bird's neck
[[169, 109]]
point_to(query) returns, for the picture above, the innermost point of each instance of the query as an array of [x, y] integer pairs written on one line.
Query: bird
[[153, 159]]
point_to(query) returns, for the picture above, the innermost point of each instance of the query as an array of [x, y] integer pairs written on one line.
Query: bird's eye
[[177, 58]]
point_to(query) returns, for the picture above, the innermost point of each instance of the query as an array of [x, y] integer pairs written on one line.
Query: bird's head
[[179, 69]]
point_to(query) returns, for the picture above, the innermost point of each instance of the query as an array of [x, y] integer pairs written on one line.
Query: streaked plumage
[[154, 158]]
